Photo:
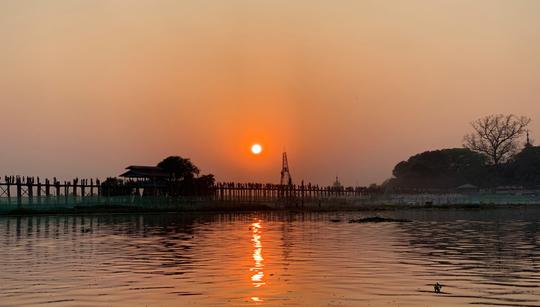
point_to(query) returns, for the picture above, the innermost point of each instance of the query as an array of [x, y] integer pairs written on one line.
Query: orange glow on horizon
[[333, 84]]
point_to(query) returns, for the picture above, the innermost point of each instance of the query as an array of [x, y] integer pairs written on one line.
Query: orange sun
[[256, 149]]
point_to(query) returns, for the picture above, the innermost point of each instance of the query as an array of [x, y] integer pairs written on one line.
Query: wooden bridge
[[270, 192], [19, 187], [35, 191]]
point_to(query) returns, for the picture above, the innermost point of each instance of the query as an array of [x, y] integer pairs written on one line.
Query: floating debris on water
[[437, 287]]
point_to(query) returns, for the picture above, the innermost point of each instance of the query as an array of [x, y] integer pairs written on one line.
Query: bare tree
[[496, 136]]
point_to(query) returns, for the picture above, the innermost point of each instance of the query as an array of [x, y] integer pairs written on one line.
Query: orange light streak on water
[[257, 278]]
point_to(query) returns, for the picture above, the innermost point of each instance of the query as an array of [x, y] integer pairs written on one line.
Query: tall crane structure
[[285, 173]]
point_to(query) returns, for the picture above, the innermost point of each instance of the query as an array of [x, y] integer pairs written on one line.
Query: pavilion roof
[[139, 171]]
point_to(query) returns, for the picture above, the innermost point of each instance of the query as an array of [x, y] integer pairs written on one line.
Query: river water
[[483, 257]]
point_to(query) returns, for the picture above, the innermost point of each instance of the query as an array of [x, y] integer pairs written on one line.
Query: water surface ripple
[[486, 257]]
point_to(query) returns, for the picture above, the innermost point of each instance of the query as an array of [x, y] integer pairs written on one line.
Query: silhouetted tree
[[179, 168], [526, 167], [496, 136], [446, 168], [184, 179]]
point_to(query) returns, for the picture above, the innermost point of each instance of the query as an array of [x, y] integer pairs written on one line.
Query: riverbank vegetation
[[494, 155]]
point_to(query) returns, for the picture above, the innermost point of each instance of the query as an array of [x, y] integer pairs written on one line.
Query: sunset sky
[[347, 88]]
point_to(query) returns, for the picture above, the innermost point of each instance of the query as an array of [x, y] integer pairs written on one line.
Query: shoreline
[[126, 209]]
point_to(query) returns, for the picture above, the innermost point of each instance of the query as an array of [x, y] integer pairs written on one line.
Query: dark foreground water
[[488, 257]]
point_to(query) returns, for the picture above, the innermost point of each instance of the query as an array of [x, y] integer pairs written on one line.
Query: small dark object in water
[[437, 287], [378, 219], [335, 220], [85, 230]]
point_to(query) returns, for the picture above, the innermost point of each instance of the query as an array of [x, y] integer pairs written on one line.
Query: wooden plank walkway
[[33, 189], [270, 192]]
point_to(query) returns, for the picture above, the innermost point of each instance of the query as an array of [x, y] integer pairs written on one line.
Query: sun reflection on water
[[257, 279]]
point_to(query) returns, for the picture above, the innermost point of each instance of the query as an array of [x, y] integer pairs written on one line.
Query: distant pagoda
[[337, 184], [528, 144]]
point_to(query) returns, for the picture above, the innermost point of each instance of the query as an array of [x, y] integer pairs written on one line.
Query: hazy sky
[[347, 88]]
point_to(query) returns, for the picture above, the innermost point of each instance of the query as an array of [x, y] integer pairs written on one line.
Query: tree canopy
[[525, 167], [450, 168], [497, 136], [184, 177], [446, 168], [179, 168]]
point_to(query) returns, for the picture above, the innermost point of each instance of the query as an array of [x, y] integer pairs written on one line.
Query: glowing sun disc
[[256, 149]]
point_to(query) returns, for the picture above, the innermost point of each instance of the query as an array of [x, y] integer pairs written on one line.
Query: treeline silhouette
[[493, 156], [452, 168]]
